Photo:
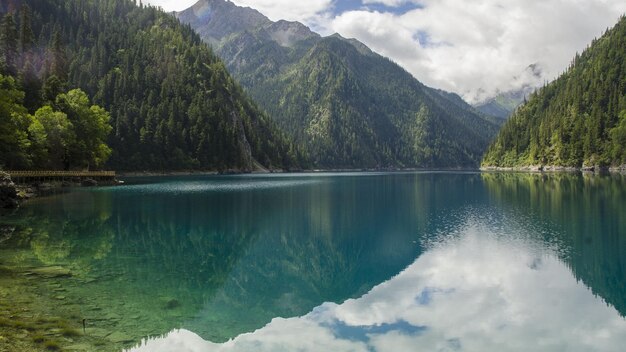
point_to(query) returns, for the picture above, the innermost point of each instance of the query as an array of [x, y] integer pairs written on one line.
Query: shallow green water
[[437, 261]]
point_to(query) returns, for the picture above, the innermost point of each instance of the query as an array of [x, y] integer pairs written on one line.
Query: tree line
[[43, 125]]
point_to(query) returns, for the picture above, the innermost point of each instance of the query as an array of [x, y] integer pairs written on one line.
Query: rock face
[[219, 19], [287, 33], [8, 192]]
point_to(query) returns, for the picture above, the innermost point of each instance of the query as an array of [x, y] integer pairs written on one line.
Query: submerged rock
[[26, 192], [52, 271], [8, 192], [172, 304], [6, 232], [89, 183]]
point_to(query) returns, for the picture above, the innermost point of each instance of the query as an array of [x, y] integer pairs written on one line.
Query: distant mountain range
[[346, 105], [579, 120]]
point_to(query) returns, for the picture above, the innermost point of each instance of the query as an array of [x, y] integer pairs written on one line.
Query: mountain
[[217, 20], [503, 104], [579, 120], [348, 106], [173, 104]]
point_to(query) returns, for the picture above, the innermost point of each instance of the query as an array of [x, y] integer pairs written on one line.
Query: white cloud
[[477, 48], [310, 12]]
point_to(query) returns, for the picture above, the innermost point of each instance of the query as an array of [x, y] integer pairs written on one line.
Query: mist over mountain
[[505, 103]]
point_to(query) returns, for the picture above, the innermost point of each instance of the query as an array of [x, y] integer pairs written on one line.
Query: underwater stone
[[172, 304], [52, 271], [8, 192], [89, 183]]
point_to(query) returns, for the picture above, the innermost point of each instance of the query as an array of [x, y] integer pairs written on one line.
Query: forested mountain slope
[[173, 104], [577, 120], [348, 106]]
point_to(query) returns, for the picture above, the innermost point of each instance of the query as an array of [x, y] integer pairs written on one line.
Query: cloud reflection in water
[[477, 292]]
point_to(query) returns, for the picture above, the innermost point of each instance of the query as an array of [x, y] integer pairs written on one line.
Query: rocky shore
[[553, 168], [8, 192], [11, 194]]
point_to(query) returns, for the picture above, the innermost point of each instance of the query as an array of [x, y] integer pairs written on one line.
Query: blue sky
[[475, 48], [351, 5]]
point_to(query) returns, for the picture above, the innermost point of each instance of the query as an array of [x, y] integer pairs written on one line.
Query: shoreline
[[13, 194], [26, 191], [270, 172], [530, 169], [556, 169]]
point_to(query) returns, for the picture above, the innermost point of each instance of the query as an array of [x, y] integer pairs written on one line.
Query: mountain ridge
[[347, 105], [173, 104], [576, 121]]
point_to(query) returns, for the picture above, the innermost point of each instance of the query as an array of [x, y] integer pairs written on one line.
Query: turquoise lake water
[[336, 262]]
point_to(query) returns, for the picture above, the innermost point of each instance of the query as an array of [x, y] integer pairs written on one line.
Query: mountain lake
[[406, 261]]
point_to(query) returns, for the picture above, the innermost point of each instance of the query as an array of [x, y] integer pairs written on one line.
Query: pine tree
[[8, 45], [58, 57], [32, 86], [26, 35]]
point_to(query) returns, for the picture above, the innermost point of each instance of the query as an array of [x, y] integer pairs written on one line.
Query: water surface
[[342, 262]]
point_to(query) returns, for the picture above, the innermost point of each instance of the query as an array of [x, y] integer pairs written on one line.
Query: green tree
[[618, 140], [26, 35], [31, 84], [59, 133], [57, 56], [38, 149], [91, 128], [8, 45], [14, 123], [52, 87]]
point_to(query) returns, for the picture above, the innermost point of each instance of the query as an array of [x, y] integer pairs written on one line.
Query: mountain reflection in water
[[478, 291], [375, 261]]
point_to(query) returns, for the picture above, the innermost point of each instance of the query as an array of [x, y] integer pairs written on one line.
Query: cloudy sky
[[474, 48]]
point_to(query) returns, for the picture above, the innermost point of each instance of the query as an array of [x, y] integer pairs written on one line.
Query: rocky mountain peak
[[216, 19], [286, 33]]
